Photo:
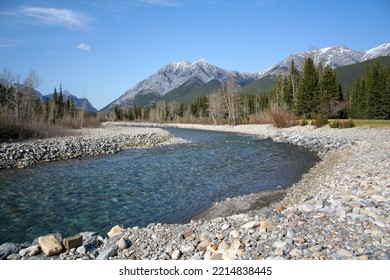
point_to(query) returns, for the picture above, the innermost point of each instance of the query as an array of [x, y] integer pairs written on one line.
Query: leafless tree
[[216, 107], [230, 95]]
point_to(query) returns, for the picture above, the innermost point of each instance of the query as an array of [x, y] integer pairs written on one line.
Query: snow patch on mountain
[[334, 56], [173, 75]]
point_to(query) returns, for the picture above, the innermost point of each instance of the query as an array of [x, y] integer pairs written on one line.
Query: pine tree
[[385, 111], [330, 92], [60, 104], [308, 91], [375, 87]]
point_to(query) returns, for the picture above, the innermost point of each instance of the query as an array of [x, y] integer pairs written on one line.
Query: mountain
[[334, 56], [186, 81], [78, 102], [177, 79]]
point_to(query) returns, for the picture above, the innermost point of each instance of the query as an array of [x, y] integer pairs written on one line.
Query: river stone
[[14, 257], [73, 242], [266, 226], [91, 239], [188, 233], [9, 248], [115, 230], [176, 255], [279, 244], [223, 246], [203, 245], [306, 207], [345, 254], [123, 243], [81, 250], [109, 250], [50, 245], [29, 251], [234, 234], [250, 225], [225, 226], [187, 248]]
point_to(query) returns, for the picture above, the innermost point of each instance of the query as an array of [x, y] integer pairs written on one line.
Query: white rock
[[29, 251], [176, 255], [250, 225]]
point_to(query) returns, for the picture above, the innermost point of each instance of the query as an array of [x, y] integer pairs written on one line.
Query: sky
[[99, 49]]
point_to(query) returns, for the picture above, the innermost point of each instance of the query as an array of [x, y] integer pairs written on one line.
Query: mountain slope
[[78, 102], [348, 74], [176, 79], [336, 57]]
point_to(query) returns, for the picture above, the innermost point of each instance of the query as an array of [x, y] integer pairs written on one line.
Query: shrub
[[335, 124], [321, 120], [304, 122], [347, 124], [281, 117]]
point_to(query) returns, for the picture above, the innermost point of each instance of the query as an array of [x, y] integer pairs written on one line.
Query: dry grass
[[12, 129]]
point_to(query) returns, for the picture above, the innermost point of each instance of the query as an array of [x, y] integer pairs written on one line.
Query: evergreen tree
[[330, 92], [385, 110], [308, 91], [60, 104]]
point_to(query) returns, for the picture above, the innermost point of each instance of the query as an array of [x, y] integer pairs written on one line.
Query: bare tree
[[231, 98], [216, 107]]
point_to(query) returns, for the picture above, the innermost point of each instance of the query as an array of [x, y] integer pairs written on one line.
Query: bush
[[342, 124], [320, 120], [335, 124], [281, 117], [347, 124], [304, 122]]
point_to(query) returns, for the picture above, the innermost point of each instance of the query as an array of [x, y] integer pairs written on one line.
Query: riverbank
[[89, 142], [339, 210]]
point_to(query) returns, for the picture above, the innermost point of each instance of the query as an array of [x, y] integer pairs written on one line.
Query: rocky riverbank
[[339, 210], [90, 142]]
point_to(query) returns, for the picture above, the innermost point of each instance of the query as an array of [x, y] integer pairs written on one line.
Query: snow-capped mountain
[[173, 76], [78, 102], [189, 75], [381, 50], [333, 56]]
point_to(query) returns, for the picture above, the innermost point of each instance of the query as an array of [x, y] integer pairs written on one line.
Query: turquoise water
[[137, 187]]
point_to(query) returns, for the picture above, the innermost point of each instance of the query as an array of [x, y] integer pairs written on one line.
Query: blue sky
[[99, 49]]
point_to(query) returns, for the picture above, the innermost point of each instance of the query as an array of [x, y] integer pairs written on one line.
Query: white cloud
[[55, 16], [167, 3], [83, 47]]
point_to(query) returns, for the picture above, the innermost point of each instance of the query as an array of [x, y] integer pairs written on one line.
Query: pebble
[[176, 255]]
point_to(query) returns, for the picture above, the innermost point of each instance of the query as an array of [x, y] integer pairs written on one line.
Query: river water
[[167, 184]]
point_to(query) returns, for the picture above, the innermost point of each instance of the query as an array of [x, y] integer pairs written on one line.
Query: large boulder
[[50, 245]]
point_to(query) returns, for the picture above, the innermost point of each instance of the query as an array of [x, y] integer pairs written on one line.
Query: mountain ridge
[[172, 80]]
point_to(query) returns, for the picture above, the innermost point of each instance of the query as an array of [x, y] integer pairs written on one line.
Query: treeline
[[302, 94], [23, 114]]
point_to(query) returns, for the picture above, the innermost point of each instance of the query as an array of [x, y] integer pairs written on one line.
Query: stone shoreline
[[338, 210], [91, 142]]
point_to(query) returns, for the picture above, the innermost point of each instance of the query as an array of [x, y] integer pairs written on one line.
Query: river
[[168, 184]]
